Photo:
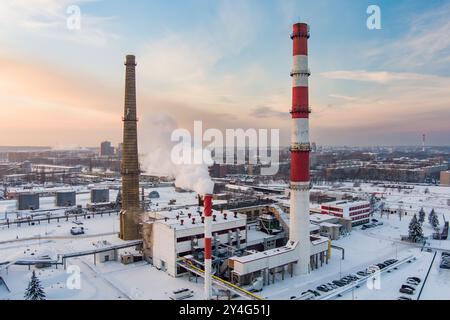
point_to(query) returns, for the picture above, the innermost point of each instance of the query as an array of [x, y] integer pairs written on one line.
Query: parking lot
[[392, 282]]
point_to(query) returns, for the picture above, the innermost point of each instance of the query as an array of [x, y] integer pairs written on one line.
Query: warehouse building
[[171, 234]]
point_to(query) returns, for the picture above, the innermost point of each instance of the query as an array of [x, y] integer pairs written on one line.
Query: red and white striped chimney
[[208, 245], [300, 149]]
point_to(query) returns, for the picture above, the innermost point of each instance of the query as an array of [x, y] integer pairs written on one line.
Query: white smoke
[[156, 147]]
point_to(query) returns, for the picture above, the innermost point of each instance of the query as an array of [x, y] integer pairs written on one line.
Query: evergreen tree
[[430, 216], [34, 290], [421, 215], [415, 230], [434, 220]]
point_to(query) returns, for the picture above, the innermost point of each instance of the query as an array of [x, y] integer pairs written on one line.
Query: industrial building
[[397, 169], [357, 211], [445, 178], [28, 201], [66, 198], [106, 149], [281, 260], [228, 244], [177, 233], [107, 255], [99, 195], [331, 227]]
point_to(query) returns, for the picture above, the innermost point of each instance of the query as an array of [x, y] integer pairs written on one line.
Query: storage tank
[[99, 195], [28, 201], [66, 199]]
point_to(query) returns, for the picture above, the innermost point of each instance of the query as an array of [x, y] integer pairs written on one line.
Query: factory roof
[[266, 254], [182, 219], [320, 218], [330, 225], [345, 203]]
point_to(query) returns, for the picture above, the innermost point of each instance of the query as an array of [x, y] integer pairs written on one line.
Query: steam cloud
[[156, 145]]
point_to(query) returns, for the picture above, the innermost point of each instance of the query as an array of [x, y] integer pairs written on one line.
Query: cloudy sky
[[225, 62]]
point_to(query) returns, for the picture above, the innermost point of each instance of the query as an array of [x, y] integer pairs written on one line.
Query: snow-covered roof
[[184, 218]]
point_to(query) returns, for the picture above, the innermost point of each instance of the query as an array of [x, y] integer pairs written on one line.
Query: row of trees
[[415, 226]]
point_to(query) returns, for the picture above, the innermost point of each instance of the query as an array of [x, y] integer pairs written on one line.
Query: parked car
[[317, 294], [362, 273], [406, 291], [412, 282], [389, 262], [339, 283], [416, 279], [332, 286], [405, 286], [75, 231], [404, 298], [322, 288]]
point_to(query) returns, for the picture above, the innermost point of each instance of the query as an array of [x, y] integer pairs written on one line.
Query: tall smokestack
[[208, 246], [129, 217], [300, 149], [424, 137]]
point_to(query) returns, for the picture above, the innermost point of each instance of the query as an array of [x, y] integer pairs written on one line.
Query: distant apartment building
[[400, 169], [106, 149], [445, 178], [357, 211]]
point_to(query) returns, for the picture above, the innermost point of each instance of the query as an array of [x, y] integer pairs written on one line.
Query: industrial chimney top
[[130, 60]]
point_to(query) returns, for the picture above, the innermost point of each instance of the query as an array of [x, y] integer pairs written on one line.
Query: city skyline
[[224, 64]]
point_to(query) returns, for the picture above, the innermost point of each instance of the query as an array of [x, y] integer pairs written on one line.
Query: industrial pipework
[[300, 149]]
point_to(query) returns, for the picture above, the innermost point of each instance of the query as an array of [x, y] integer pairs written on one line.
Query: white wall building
[[177, 233], [357, 211]]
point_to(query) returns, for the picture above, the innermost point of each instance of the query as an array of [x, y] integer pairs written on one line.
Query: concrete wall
[[164, 255]]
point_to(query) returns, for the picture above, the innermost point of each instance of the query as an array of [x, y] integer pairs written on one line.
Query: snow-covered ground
[[366, 247], [112, 280]]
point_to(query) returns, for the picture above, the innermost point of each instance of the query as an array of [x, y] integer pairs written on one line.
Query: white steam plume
[[156, 146]]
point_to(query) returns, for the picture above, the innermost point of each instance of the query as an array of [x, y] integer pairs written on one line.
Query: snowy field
[[112, 280]]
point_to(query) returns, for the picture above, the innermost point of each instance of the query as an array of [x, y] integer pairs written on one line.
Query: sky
[[226, 63]]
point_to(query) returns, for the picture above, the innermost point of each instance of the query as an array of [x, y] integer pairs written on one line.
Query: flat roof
[[265, 254], [345, 203], [330, 225], [169, 218], [321, 217]]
